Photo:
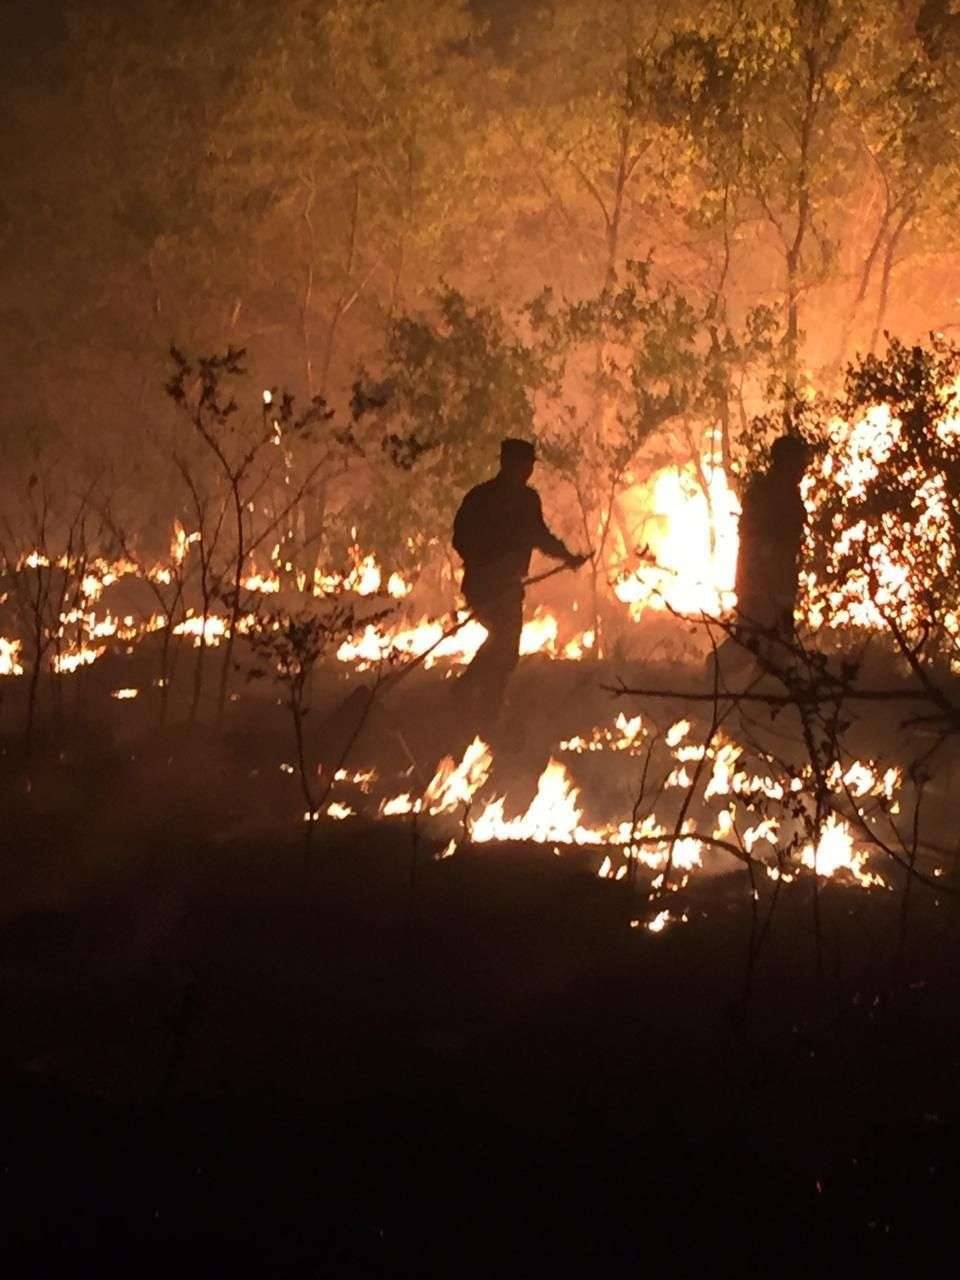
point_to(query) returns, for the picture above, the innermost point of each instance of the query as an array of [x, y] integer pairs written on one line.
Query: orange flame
[[692, 534]]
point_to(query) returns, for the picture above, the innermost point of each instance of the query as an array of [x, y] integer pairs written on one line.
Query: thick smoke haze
[[300, 180]]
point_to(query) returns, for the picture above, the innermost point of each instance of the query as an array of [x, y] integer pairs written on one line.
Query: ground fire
[[688, 535]]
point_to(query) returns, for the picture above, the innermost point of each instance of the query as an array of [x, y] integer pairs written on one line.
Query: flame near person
[[689, 526], [687, 520]]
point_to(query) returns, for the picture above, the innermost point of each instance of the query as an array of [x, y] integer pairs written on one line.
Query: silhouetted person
[[771, 534], [499, 524]]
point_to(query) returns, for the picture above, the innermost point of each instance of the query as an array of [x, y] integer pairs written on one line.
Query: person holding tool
[[496, 529]]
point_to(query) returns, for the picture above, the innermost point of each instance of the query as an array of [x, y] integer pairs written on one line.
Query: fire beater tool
[[343, 725]]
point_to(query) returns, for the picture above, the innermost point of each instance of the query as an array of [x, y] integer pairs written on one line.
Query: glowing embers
[[691, 531], [335, 810], [658, 922]]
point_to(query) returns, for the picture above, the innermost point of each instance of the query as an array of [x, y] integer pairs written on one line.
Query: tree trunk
[[230, 638], [198, 670], [865, 276], [305, 334], [795, 248], [202, 647], [886, 274], [30, 725], [165, 673], [307, 300]]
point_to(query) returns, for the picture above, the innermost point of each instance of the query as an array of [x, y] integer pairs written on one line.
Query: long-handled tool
[[395, 677], [342, 726]]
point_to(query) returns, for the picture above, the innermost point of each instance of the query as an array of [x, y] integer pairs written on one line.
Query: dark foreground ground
[[220, 1057], [487, 1071]]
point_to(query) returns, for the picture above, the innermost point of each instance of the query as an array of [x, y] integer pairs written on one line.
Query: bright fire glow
[[888, 559], [339, 811], [376, 644], [835, 852], [212, 628], [10, 651], [456, 784], [266, 584], [72, 660], [682, 524], [364, 579], [691, 533], [555, 815], [625, 736], [692, 537]]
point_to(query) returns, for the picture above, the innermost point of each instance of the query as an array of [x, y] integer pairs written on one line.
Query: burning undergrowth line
[[83, 632], [540, 635], [759, 815], [692, 538], [685, 517]]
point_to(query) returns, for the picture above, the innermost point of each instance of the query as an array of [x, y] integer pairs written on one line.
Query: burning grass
[[87, 604], [674, 800], [746, 808]]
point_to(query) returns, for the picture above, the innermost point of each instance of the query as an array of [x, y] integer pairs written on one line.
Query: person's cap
[[514, 450], [790, 450]]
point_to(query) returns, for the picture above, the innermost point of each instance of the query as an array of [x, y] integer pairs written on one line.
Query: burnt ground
[[219, 1053]]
